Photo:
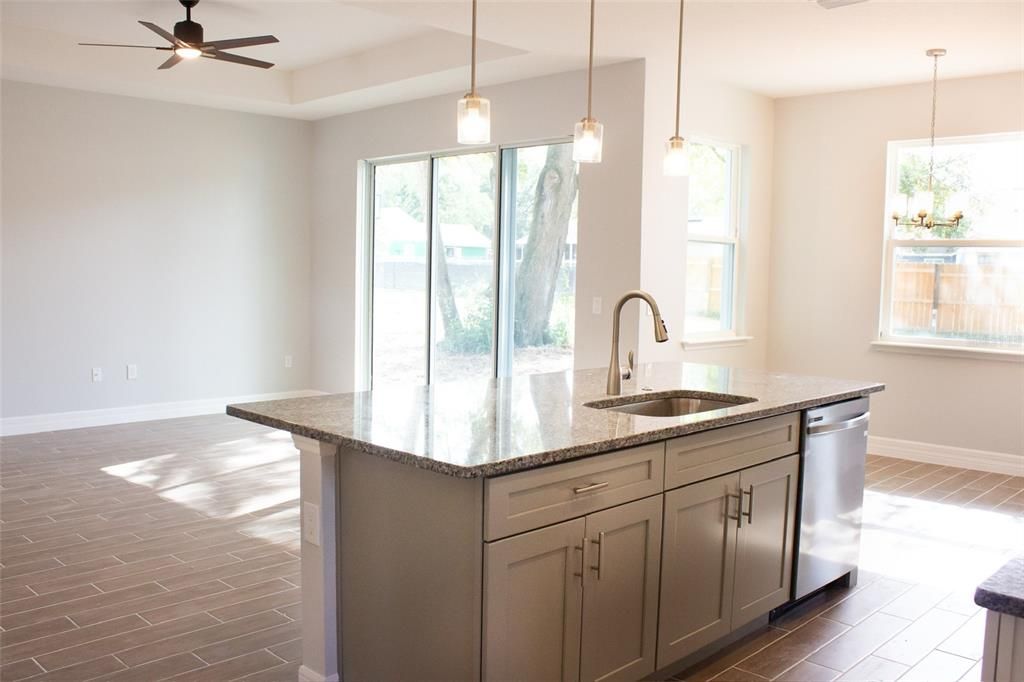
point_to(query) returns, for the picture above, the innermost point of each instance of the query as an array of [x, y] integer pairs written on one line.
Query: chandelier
[[924, 201]]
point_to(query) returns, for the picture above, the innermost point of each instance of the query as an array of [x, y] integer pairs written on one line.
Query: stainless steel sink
[[671, 403]]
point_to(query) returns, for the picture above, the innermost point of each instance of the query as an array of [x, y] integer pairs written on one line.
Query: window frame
[[502, 350], [884, 340], [734, 334]]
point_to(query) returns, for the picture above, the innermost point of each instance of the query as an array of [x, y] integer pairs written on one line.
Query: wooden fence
[[958, 301]]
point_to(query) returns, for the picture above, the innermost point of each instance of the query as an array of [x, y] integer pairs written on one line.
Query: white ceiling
[[337, 56]]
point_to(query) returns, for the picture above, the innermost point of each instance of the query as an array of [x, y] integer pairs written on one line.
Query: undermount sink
[[670, 403]]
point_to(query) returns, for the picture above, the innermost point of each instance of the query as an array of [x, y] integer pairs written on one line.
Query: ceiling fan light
[[474, 119], [677, 160], [587, 140], [188, 52]]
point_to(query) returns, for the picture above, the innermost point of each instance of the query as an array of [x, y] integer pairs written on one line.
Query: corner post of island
[[321, 616]]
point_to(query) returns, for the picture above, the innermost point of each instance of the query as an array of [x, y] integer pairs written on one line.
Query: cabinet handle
[[750, 509], [582, 549], [739, 509], [600, 554], [590, 487]]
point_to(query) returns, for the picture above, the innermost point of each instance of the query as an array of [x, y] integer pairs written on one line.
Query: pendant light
[[676, 161], [588, 135], [918, 210], [474, 111]]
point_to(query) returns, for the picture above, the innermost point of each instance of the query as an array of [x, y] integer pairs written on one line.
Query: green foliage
[[476, 333], [951, 175], [465, 191]]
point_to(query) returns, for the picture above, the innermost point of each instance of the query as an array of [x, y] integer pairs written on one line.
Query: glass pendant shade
[[474, 116], [924, 202], [587, 140], [957, 202], [898, 204], [677, 161]]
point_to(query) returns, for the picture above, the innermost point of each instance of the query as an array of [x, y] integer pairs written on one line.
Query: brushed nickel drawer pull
[[600, 554], [750, 509], [739, 508], [588, 488], [582, 549]]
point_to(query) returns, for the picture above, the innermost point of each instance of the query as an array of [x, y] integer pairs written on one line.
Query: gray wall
[[169, 236], [830, 156], [536, 109]]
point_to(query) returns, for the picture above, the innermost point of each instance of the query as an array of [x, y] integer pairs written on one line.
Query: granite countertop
[[488, 427], [1003, 591]]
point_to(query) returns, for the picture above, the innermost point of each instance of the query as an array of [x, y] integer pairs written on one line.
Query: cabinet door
[[698, 561], [620, 591], [764, 543], [533, 604]]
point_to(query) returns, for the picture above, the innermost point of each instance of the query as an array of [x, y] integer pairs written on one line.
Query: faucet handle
[[627, 372]]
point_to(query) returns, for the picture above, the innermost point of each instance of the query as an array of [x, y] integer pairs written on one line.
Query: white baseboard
[[59, 421], [310, 675], [947, 455]]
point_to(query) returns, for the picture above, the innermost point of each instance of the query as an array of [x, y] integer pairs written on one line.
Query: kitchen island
[[529, 528]]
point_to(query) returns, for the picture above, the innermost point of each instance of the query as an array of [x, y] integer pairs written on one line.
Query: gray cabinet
[[577, 600], [727, 554], [764, 542], [699, 551], [620, 591], [533, 604]]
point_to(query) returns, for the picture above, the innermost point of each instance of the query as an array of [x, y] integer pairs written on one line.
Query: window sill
[[715, 342], [949, 351]]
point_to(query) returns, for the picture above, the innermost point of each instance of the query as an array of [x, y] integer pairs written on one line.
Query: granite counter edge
[[539, 459]]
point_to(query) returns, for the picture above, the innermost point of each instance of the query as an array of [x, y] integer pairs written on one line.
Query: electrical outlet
[[97, 375], [311, 523], [288, 362], [596, 305], [132, 372]]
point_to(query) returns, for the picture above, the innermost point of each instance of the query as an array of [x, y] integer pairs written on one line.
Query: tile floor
[[169, 550]]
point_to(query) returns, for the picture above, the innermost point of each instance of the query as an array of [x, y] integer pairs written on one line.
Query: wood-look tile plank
[[160, 669], [916, 601], [87, 670], [191, 640], [19, 670], [849, 648], [35, 601], [805, 671], [263, 639], [968, 641], [874, 669], [232, 669], [38, 648], [211, 602], [286, 672], [779, 656], [76, 606], [921, 637], [119, 642], [938, 666]]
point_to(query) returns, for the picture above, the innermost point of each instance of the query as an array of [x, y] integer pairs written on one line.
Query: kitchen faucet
[[615, 373]]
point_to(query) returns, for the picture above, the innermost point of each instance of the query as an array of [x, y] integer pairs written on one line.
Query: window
[[960, 286], [472, 264], [712, 241]]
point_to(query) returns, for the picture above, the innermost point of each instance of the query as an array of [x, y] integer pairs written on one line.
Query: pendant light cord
[[679, 65], [935, 95], [590, 63], [472, 61]]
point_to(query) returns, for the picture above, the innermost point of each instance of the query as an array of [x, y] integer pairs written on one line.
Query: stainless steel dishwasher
[[832, 494]]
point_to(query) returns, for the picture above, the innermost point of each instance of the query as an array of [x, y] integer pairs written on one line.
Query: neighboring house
[[399, 236]]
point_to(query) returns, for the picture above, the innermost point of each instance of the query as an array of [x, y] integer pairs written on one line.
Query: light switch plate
[[596, 305], [97, 374], [288, 362], [311, 523], [132, 372]]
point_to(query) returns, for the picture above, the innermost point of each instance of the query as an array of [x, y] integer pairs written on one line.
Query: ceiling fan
[[187, 42]]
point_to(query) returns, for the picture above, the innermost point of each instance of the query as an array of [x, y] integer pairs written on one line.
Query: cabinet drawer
[[531, 499], [712, 453]]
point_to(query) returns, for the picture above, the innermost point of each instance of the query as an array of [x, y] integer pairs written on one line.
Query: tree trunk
[[445, 297], [537, 276]]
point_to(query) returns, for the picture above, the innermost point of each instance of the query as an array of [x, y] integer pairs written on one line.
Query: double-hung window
[[713, 242], [956, 286], [471, 265]]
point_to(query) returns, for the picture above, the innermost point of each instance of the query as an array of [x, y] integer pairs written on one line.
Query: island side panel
[[411, 547], [319, 511]]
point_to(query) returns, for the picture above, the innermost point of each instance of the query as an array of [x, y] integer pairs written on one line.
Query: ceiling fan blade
[[171, 61], [145, 47], [226, 57], [169, 37], [240, 42]]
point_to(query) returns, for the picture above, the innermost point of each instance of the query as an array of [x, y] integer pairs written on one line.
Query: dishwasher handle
[[839, 426]]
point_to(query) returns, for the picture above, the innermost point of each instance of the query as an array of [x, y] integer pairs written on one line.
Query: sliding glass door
[[460, 288]]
